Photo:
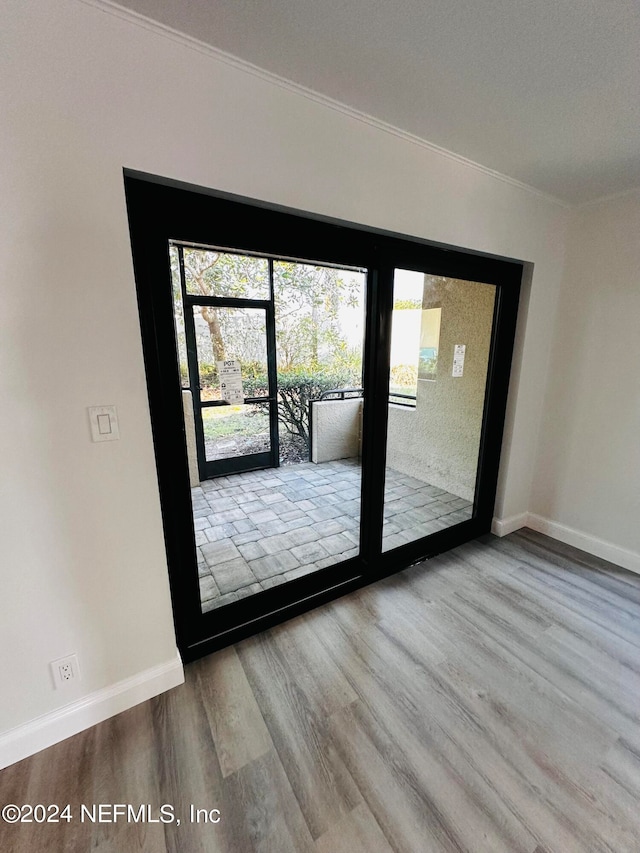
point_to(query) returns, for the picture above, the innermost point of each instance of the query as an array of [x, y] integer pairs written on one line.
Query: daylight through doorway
[[270, 357]]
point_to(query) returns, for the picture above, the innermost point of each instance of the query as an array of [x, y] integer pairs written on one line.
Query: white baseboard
[[586, 542], [504, 526], [44, 731]]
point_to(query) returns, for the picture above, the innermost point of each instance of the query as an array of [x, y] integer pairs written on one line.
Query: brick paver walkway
[[262, 528]]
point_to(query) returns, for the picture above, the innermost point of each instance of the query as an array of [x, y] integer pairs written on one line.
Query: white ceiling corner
[[545, 93]]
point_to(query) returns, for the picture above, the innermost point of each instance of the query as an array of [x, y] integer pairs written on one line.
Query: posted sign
[[458, 359], [230, 375]]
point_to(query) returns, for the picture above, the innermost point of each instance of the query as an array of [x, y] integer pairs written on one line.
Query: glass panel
[[259, 529], [319, 340], [235, 430], [405, 339], [211, 273], [231, 334], [441, 337], [178, 316]]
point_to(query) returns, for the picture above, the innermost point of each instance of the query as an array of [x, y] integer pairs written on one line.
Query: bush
[[404, 375], [296, 388], [209, 371]]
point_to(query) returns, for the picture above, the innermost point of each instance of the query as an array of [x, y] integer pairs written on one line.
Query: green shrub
[[404, 375], [296, 388], [208, 374], [251, 370], [407, 304]]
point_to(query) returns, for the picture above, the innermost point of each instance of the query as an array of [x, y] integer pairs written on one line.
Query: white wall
[[84, 93], [587, 487]]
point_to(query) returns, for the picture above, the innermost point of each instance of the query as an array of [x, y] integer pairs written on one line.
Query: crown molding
[[199, 46]]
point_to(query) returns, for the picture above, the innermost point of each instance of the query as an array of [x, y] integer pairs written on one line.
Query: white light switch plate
[[104, 423]]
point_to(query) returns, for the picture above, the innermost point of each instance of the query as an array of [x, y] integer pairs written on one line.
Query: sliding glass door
[[273, 410], [441, 338], [327, 402]]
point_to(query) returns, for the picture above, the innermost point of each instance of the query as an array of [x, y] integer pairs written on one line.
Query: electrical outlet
[[65, 670]]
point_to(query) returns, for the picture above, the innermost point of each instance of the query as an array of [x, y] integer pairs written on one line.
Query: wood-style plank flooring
[[487, 701]]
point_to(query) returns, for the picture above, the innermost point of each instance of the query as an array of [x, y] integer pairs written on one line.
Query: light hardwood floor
[[488, 701]]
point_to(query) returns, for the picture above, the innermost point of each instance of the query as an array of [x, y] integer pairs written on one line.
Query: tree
[[307, 301], [210, 273], [313, 354]]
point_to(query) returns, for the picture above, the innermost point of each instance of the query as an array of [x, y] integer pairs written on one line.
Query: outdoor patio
[[262, 528]]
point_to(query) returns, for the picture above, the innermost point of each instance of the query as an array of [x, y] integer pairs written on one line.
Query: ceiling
[[544, 91]]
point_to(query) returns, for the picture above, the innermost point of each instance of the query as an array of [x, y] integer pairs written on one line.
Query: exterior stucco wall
[[335, 430], [438, 441], [190, 432]]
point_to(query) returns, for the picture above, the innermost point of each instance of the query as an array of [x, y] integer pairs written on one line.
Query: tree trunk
[[217, 343]]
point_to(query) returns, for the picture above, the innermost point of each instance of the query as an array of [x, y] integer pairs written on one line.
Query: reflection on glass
[[319, 338], [430, 320], [235, 430], [441, 337], [178, 316], [211, 273], [231, 334], [405, 340], [258, 529]]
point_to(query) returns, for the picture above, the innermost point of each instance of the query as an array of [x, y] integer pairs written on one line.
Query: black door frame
[[248, 462], [162, 211]]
